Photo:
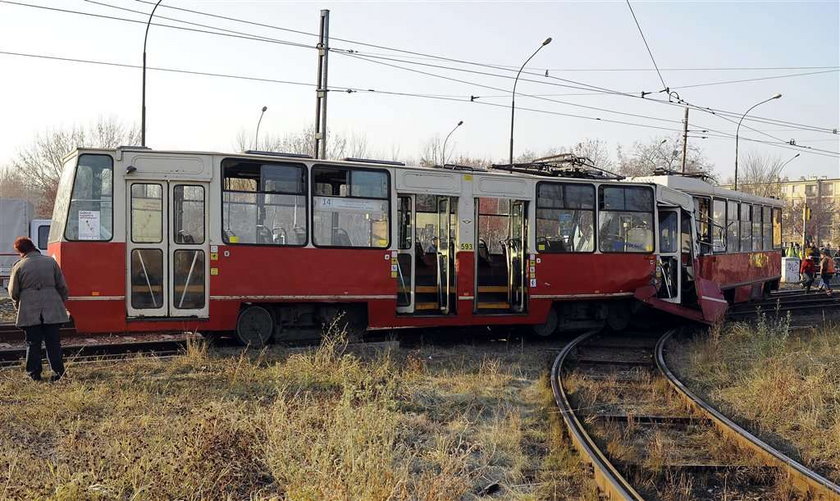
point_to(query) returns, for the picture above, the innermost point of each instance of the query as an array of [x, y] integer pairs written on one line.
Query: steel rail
[[607, 477], [811, 483]]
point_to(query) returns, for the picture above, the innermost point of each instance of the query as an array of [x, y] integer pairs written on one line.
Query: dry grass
[[784, 384], [324, 424]]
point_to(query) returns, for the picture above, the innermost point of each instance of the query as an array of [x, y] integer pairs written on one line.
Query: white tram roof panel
[[697, 186]]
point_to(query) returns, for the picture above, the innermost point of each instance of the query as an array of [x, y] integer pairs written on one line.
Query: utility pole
[[321, 87], [685, 138]]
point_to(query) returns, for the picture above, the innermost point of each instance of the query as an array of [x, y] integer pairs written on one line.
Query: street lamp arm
[[738, 130], [443, 149], [513, 93], [143, 110]]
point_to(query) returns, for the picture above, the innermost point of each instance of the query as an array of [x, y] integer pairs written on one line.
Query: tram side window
[[719, 225], [777, 228], [90, 214], [263, 203], [746, 227], [733, 244], [703, 214], [756, 228], [146, 213], [625, 220], [189, 214], [350, 207], [565, 217], [768, 228]]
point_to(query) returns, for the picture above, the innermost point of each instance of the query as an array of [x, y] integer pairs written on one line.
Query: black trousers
[[47, 334]]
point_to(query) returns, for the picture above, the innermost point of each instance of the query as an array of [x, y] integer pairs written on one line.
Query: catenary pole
[[685, 139], [321, 88]]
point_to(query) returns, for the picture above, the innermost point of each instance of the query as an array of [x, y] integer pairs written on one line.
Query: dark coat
[[38, 291]]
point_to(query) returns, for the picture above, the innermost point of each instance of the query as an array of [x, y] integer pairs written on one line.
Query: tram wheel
[[549, 327], [255, 326]]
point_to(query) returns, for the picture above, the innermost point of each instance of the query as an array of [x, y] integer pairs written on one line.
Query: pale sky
[[693, 43]]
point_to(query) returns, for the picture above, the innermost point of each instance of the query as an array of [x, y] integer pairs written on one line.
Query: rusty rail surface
[[607, 477], [812, 484]]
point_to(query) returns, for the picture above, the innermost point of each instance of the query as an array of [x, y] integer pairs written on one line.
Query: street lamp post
[[257, 134], [789, 161], [143, 111], [513, 93], [738, 130], [443, 149]]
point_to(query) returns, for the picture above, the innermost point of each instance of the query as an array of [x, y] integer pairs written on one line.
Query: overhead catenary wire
[[259, 38], [642, 33], [267, 39], [438, 57], [380, 92]]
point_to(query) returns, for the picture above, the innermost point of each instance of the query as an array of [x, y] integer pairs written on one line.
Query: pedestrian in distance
[[807, 270], [38, 291], [827, 270]]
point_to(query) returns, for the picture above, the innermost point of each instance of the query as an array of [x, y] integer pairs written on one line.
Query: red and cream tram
[[255, 243], [739, 237]]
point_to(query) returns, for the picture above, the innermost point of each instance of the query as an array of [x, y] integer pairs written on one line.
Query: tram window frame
[[718, 225], [134, 210], [704, 224], [745, 223], [70, 201], [624, 210], [757, 236], [733, 245], [767, 227], [350, 192], [567, 208], [260, 179], [777, 228]]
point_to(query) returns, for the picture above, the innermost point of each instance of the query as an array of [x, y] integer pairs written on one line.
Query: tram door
[[166, 249], [669, 255], [517, 259], [425, 267], [501, 236]]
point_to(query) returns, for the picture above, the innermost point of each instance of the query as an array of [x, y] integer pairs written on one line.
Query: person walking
[[38, 291], [807, 268], [827, 270]]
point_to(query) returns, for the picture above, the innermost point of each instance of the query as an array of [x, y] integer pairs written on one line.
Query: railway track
[[797, 302], [649, 438]]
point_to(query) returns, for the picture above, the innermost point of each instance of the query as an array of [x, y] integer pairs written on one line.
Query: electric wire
[[437, 57], [182, 28], [664, 85], [711, 132], [267, 39]]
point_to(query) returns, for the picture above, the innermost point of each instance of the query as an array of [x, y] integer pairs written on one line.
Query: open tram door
[[517, 257], [501, 257], [166, 249], [668, 264], [427, 225]]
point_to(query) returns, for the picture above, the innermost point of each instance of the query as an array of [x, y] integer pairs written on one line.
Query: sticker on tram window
[[467, 247], [89, 225]]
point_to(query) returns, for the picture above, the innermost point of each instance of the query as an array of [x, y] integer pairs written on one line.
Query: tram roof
[[697, 186], [372, 163]]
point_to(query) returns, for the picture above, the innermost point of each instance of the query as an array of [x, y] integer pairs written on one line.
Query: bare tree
[[817, 229], [761, 175], [595, 150], [13, 185], [303, 142], [661, 153], [39, 164]]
